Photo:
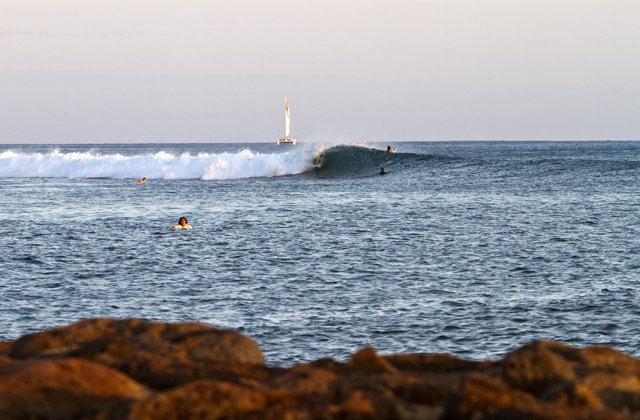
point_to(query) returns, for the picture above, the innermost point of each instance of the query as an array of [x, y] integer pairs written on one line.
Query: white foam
[[160, 165]]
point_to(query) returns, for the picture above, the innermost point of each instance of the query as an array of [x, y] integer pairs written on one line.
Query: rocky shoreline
[[114, 369]]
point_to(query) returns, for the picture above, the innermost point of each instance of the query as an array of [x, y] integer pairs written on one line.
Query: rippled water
[[466, 248]]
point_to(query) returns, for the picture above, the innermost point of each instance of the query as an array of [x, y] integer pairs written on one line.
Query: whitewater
[[468, 248], [159, 165]]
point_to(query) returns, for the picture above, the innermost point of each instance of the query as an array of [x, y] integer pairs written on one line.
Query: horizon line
[[316, 142]]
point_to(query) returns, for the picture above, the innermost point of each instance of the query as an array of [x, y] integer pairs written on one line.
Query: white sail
[[287, 117], [287, 139]]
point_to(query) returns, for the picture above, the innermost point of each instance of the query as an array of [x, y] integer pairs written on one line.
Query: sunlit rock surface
[[107, 368]]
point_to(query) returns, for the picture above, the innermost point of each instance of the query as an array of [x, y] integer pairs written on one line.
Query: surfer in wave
[[142, 181], [182, 224], [390, 150]]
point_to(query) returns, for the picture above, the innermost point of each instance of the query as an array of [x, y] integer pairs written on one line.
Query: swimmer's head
[[183, 221]]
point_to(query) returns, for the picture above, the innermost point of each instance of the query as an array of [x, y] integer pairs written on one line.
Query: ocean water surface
[[469, 248]]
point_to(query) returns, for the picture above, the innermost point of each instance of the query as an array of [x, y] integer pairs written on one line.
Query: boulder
[[366, 360], [159, 355], [539, 366], [202, 399], [63, 389], [481, 396], [192, 339], [597, 377], [304, 379], [436, 363], [5, 347], [605, 359], [602, 390], [106, 368]]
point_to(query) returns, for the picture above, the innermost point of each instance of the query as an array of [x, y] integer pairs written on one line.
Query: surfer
[[390, 151], [382, 172], [142, 181], [182, 224]]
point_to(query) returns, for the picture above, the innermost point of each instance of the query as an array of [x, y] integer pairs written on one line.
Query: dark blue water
[[466, 248]]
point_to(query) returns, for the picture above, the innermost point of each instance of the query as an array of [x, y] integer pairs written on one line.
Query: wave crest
[[159, 165]]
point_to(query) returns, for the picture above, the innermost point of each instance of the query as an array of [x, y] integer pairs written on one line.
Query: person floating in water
[[382, 172], [142, 181], [390, 150], [182, 224]]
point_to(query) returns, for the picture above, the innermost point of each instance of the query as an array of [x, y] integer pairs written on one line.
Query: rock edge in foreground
[[130, 368]]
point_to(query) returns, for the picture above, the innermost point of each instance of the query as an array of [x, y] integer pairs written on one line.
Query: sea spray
[[160, 165], [248, 164]]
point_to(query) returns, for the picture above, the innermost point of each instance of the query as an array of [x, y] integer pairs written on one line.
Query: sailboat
[[287, 139]]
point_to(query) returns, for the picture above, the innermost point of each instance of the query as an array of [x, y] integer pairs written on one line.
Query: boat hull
[[286, 140]]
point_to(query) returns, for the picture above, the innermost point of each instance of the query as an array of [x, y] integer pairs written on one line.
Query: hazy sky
[[212, 70]]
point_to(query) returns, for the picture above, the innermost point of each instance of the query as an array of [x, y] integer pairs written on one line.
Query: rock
[[106, 368], [603, 359], [5, 348], [538, 366], [202, 399], [600, 390], [596, 377], [305, 379], [366, 360], [62, 389], [436, 363], [357, 405], [159, 355], [193, 339], [481, 396], [427, 389]]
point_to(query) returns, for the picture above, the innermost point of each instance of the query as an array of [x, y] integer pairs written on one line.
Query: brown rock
[[437, 363], [366, 360], [601, 358], [5, 348], [481, 396], [169, 366], [202, 399], [614, 391], [210, 373], [597, 377], [193, 339], [156, 354], [304, 379], [365, 404], [62, 389], [538, 366], [358, 405], [427, 389], [329, 364]]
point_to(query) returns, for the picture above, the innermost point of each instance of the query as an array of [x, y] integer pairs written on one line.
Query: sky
[[78, 71]]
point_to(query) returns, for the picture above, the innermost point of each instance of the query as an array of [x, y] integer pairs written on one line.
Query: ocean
[[467, 248]]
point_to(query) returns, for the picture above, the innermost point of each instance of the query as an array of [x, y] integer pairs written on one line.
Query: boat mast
[[287, 118]]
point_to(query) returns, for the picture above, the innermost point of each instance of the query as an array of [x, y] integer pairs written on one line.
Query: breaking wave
[[159, 165], [318, 160], [356, 161]]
